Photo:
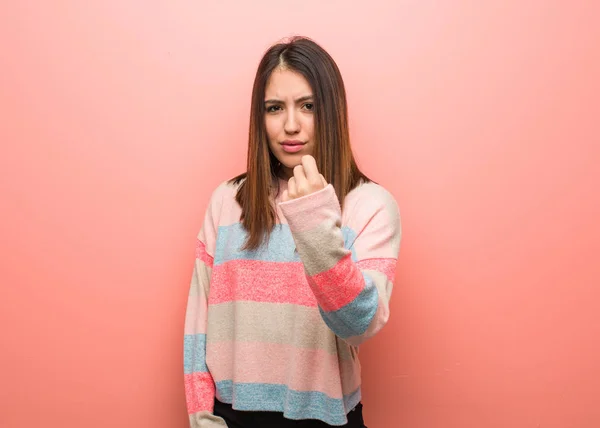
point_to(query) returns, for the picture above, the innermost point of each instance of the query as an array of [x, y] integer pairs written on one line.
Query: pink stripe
[[299, 368], [199, 392], [385, 266], [202, 254], [260, 281], [339, 285]]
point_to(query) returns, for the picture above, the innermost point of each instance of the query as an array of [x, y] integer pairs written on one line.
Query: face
[[289, 118]]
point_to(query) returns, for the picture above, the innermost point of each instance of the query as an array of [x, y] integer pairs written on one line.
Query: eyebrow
[[298, 100]]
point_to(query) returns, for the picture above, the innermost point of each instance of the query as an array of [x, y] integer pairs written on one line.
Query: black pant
[[244, 419]]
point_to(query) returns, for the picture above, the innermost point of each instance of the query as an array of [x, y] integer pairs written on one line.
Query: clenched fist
[[306, 180]]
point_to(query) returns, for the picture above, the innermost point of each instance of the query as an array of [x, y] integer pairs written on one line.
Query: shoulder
[[371, 196], [224, 191], [370, 206], [222, 199], [371, 211]]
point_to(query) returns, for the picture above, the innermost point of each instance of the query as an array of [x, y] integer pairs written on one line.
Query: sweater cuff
[[309, 211]]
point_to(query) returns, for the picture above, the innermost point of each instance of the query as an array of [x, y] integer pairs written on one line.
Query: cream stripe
[[320, 248], [195, 314], [298, 326], [200, 282]]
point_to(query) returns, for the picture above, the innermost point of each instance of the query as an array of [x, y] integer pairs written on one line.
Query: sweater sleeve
[[199, 384], [352, 285]]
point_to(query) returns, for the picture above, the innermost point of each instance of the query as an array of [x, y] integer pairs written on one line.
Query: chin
[[291, 160], [290, 163]]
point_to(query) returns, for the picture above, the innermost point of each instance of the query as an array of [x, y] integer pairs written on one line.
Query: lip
[[292, 146]]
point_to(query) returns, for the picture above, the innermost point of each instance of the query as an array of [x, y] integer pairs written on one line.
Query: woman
[[286, 283]]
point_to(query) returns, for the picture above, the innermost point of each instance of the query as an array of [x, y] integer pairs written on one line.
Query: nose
[[292, 125]]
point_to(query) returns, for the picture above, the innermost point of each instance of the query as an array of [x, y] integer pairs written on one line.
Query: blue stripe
[[280, 248], [194, 353], [354, 318], [294, 404]]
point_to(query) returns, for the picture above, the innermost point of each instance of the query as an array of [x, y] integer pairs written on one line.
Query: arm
[[199, 384], [353, 295]]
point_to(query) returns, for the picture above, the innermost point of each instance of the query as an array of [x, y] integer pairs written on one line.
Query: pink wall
[[119, 118]]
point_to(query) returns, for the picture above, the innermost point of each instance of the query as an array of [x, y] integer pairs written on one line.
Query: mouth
[[292, 146]]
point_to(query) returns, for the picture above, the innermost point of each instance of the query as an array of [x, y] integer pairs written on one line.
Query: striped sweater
[[278, 328]]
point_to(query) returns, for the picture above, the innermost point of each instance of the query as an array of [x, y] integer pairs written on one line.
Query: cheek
[[310, 127]]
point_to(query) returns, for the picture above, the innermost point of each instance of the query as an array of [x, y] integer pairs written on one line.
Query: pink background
[[118, 118]]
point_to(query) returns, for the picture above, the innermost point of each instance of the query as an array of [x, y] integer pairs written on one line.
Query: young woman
[[294, 261]]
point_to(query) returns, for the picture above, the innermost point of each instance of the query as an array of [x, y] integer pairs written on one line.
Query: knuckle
[[316, 182]]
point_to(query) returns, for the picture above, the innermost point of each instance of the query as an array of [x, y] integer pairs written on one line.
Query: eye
[[309, 106], [273, 108]]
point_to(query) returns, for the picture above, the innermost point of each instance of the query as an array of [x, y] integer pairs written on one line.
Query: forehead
[[285, 83]]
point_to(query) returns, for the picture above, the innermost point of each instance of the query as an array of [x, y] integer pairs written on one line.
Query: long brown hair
[[332, 150]]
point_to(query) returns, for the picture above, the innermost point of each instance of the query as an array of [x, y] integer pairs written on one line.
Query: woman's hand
[[306, 180]]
